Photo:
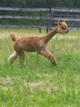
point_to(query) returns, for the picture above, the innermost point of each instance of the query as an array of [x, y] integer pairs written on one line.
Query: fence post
[[50, 21], [40, 22], [47, 23]]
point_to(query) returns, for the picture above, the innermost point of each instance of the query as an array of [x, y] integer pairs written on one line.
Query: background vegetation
[[32, 4], [40, 3], [40, 84]]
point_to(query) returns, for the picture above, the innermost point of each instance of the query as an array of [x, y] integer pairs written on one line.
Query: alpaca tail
[[13, 37]]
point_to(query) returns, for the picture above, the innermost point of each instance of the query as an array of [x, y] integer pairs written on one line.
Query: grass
[[40, 84]]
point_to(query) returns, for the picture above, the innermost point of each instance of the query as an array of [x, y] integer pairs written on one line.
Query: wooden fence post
[[47, 23], [40, 22], [49, 15], [50, 21]]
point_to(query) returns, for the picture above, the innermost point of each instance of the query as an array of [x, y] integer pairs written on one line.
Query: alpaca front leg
[[48, 55]]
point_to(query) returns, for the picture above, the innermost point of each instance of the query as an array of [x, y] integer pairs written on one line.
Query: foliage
[[40, 3]]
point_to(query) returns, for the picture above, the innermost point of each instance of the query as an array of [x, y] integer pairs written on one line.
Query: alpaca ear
[[59, 22]]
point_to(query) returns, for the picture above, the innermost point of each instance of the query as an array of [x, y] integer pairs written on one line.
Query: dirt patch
[[5, 82], [33, 85]]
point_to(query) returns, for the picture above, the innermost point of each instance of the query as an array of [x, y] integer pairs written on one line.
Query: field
[[40, 84]]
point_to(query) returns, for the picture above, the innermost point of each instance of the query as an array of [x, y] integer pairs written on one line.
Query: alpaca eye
[[63, 28]]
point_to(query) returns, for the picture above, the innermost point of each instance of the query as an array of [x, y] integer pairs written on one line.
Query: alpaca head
[[62, 28]]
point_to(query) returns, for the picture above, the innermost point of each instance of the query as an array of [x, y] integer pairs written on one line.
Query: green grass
[[40, 84]]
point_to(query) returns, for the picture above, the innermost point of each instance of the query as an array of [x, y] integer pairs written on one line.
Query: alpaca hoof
[[54, 64]]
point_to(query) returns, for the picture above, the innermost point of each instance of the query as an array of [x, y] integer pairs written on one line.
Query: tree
[[12, 3], [77, 3], [39, 3]]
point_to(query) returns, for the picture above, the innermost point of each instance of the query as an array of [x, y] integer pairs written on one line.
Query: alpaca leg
[[21, 57], [48, 55], [12, 57]]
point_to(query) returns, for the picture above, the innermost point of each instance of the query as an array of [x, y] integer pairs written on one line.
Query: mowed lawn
[[40, 84]]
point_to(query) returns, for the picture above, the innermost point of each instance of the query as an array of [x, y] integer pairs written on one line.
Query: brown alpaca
[[36, 44]]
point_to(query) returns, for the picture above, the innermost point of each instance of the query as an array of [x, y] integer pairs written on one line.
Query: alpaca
[[36, 44]]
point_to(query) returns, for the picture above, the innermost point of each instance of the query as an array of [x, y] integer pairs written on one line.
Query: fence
[[44, 17], [71, 16]]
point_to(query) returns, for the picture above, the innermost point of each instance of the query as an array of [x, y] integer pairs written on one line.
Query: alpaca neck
[[48, 36]]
